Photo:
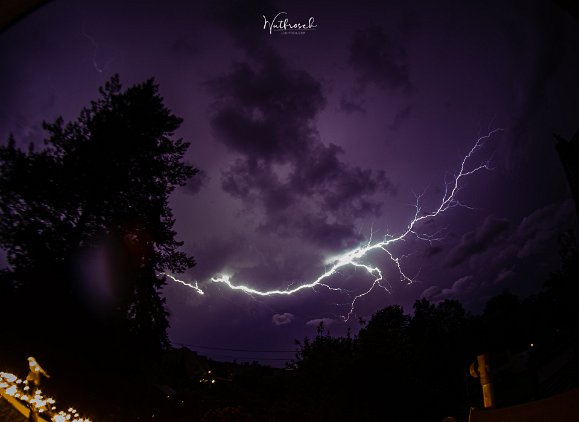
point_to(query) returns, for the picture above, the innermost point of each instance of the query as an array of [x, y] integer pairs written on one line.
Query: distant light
[[532, 345]]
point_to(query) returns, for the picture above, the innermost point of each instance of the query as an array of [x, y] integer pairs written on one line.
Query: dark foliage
[[100, 187], [404, 367], [97, 189]]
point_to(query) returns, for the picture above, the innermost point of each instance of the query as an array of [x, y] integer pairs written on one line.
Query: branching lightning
[[95, 52], [354, 258], [194, 287]]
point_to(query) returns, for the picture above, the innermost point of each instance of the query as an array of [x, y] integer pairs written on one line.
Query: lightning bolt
[[94, 51], [354, 258], [194, 287]]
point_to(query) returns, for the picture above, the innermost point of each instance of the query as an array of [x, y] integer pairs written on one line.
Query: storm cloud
[[282, 319], [478, 241], [265, 113], [377, 59]]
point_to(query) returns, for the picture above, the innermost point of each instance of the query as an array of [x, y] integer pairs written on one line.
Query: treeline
[[88, 235], [410, 366], [416, 367]]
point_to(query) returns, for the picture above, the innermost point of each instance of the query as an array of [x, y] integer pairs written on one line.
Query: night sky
[[310, 144]]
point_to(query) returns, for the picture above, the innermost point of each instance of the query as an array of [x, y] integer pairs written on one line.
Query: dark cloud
[[541, 226], [536, 233], [265, 112], [3, 259], [339, 186], [430, 292], [186, 46], [490, 233], [505, 274], [547, 36], [505, 253], [243, 19], [329, 235], [316, 322], [212, 255], [433, 250], [378, 60], [195, 183], [282, 319], [504, 247], [462, 286], [257, 184], [351, 104], [400, 117]]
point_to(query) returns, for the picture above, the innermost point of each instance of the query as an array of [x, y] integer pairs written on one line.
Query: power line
[[250, 358], [234, 350]]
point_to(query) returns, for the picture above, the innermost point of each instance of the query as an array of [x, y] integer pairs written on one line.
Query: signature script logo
[[280, 23]]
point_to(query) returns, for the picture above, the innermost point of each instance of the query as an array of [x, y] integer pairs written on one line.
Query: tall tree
[[106, 175]]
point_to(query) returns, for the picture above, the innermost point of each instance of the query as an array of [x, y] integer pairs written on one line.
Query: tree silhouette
[[396, 361], [101, 181]]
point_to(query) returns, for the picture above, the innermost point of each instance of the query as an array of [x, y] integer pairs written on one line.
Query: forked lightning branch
[[357, 258]]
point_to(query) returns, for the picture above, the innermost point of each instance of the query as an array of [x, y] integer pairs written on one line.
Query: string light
[[17, 388]]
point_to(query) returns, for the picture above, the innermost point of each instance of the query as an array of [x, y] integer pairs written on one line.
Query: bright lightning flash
[[355, 257], [194, 287]]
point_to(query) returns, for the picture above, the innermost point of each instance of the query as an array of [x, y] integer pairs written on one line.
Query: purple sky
[[309, 143]]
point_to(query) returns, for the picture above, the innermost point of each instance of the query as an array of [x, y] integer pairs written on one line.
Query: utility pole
[[481, 369]]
